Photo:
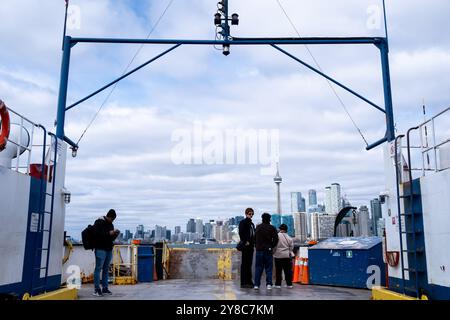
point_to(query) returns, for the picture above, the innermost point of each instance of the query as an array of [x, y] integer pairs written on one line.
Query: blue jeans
[[263, 261], [102, 261]]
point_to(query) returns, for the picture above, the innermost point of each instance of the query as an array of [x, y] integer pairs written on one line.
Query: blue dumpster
[[145, 259], [347, 262]]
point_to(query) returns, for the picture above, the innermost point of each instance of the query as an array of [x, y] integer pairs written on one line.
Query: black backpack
[[87, 236]]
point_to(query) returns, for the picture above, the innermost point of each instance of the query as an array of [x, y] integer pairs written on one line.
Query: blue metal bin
[[145, 259], [355, 262]]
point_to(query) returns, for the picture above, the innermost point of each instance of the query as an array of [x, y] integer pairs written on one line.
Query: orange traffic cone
[[298, 270], [295, 272], [305, 273]]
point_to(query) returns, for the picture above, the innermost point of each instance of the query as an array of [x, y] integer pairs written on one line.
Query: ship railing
[[431, 151], [24, 153]]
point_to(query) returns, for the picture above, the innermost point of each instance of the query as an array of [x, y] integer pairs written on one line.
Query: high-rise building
[[277, 179], [160, 233], [303, 205], [312, 198], [199, 226], [363, 222], [375, 208], [128, 235], [177, 229], [288, 220], [190, 227], [300, 226], [344, 229], [322, 226], [336, 204], [296, 202], [207, 230], [139, 232], [275, 220], [168, 234], [328, 200]]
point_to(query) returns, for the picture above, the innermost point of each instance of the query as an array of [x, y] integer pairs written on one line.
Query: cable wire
[[320, 68], [125, 71]]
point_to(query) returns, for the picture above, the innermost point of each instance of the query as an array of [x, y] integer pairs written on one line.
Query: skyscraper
[[363, 221], [375, 208], [336, 203], [199, 226], [277, 179], [303, 205], [190, 228], [322, 226], [207, 230], [160, 233], [276, 220], [177, 229], [300, 226], [312, 198], [139, 232], [328, 200], [289, 221], [296, 202]]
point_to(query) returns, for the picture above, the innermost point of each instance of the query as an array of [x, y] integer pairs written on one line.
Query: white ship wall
[[15, 196], [435, 189], [59, 213], [390, 213]]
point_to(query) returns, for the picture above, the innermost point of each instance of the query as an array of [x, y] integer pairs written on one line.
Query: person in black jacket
[[105, 234], [266, 239], [247, 236]]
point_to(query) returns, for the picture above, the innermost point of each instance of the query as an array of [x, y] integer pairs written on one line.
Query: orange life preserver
[[4, 133]]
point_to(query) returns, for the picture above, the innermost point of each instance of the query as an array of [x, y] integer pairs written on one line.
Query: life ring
[[5, 126]]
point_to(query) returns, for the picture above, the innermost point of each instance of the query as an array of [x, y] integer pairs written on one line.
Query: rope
[[125, 71], [320, 68]]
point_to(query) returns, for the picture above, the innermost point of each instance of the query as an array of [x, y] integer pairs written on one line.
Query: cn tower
[[277, 181]]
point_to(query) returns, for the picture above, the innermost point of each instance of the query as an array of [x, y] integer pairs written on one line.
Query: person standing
[[247, 237], [266, 239], [284, 252], [105, 234]]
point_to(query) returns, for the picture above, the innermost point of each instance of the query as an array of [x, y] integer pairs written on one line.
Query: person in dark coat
[[247, 236], [105, 234], [266, 239]]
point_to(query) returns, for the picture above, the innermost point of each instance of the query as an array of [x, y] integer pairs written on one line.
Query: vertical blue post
[[390, 128], [226, 27], [63, 83]]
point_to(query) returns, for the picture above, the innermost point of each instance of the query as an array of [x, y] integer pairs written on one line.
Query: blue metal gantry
[[380, 42]]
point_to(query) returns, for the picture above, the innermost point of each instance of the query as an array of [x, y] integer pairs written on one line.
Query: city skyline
[[287, 196]]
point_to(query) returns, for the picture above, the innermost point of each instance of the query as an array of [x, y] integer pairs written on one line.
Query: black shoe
[[247, 286], [106, 291], [97, 293]]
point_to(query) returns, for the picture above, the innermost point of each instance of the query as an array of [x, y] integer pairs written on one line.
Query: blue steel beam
[[122, 77], [387, 90], [329, 78], [63, 84], [235, 41]]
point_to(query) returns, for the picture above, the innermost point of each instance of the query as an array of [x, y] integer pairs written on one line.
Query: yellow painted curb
[[380, 293], [61, 294]]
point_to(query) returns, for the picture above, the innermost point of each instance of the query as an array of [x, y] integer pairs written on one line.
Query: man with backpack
[[104, 236]]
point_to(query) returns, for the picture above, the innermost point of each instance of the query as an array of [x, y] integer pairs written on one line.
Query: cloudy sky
[[125, 160]]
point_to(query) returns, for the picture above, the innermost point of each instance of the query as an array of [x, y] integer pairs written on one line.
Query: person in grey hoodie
[[283, 255]]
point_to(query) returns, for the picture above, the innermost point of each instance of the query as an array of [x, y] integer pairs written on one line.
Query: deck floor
[[180, 289]]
